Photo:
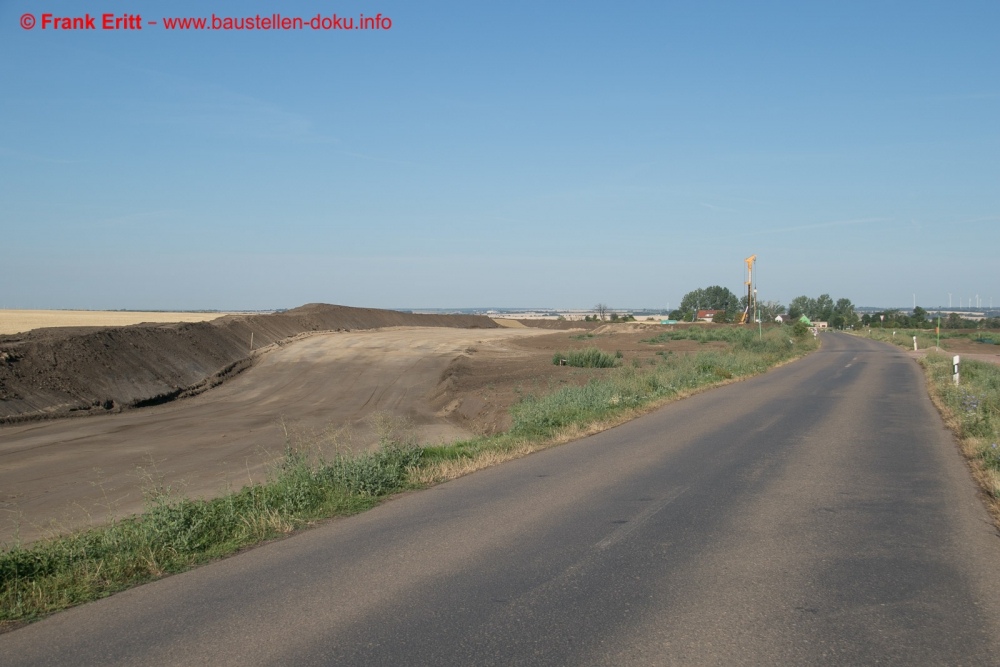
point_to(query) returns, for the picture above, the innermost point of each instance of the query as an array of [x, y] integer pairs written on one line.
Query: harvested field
[[21, 321]]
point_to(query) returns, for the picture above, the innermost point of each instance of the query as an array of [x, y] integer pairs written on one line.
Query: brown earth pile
[[62, 371]]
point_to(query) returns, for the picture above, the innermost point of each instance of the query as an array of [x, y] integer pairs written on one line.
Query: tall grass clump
[[972, 409], [176, 533], [589, 357]]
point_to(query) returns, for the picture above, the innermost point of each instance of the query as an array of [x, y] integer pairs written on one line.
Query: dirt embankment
[[63, 371]]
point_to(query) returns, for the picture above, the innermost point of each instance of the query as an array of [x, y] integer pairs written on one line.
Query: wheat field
[[19, 321]]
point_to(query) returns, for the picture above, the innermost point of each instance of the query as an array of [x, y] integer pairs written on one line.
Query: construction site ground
[[322, 389]]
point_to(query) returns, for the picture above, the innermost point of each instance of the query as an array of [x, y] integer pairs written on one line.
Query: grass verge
[[972, 411], [176, 533], [926, 338]]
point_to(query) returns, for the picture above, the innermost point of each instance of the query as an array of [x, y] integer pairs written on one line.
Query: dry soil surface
[[59, 474], [318, 390]]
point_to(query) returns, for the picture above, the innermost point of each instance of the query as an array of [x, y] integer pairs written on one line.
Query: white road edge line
[[621, 533]]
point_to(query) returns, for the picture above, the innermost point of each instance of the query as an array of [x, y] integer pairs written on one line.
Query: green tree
[[844, 307], [769, 310], [894, 318], [955, 321], [843, 314], [822, 308], [720, 317], [801, 305], [710, 298]]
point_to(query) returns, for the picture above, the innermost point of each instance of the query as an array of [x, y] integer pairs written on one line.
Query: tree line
[[923, 319], [839, 314]]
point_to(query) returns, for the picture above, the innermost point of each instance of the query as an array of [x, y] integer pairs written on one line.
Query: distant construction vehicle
[[750, 312]]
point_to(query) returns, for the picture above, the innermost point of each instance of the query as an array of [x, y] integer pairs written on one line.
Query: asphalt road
[[817, 515]]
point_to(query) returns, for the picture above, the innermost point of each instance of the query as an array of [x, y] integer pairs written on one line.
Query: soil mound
[[85, 370]]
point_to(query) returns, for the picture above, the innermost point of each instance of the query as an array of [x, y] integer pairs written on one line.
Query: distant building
[[788, 319], [707, 315]]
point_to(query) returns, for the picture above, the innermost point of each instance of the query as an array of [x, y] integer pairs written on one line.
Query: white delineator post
[[954, 369], [914, 342]]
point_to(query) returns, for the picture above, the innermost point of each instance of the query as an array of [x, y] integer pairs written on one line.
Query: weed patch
[[177, 533], [590, 357], [972, 409]]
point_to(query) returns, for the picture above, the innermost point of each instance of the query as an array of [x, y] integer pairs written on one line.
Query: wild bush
[[590, 357]]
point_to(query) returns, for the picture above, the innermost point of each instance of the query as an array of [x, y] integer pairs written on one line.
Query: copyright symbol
[[27, 21]]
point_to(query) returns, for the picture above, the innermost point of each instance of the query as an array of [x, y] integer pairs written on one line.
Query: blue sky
[[501, 155]]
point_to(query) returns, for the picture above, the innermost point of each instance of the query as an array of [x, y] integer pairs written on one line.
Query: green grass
[[177, 533], [589, 357], [904, 337], [734, 335], [926, 338], [628, 387], [973, 406]]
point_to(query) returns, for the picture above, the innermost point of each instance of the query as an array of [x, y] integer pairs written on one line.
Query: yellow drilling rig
[[750, 312]]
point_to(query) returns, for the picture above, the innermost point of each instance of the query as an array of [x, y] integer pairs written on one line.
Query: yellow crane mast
[[750, 311]]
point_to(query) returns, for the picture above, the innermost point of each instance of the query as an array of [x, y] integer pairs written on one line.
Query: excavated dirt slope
[[60, 371]]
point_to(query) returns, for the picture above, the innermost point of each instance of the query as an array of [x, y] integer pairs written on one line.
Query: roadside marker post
[[954, 369], [914, 343]]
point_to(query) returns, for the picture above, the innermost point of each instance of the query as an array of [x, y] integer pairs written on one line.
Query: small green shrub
[[589, 357]]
